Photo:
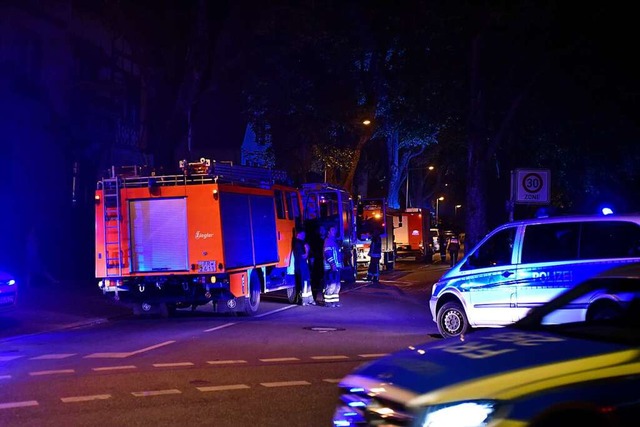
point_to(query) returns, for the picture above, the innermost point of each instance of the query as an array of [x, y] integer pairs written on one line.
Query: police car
[[8, 291], [554, 367]]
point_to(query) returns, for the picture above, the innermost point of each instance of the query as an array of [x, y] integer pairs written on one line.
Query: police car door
[[490, 283], [549, 263]]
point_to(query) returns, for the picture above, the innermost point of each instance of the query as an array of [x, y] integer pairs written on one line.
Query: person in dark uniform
[[375, 253], [302, 271], [454, 248]]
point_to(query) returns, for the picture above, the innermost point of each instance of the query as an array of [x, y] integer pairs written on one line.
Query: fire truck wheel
[[252, 301], [292, 295]]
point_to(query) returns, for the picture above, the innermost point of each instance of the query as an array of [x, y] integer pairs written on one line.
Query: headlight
[[460, 414]]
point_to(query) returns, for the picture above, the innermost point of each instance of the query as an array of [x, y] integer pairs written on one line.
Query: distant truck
[[412, 235], [371, 215], [213, 233]]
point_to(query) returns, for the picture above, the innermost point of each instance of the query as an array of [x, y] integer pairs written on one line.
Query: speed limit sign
[[530, 186]]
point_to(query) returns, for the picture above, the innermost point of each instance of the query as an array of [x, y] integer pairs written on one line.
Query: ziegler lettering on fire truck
[[200, 235]]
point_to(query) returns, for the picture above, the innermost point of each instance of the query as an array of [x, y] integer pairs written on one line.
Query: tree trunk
[[347, 183]]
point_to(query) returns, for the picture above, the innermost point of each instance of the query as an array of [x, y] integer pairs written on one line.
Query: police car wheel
[[452, 320]]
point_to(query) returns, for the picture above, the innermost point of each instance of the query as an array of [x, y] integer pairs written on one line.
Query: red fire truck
[[213, 233], [411, 229]]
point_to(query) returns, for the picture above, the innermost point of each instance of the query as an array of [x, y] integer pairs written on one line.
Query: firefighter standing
[[332, 265], [302, 272], [375, 253]]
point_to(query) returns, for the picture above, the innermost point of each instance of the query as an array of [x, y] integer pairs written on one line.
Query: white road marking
[[275, 311], [223, 387], [5, 377], [280, 359], [332, 380], [107, 355], [53, 356], [336, 357], [52, 372], [9, 358], [372, 355], [153, 347], [115, 368], [172, 365], [23, 404], [225, 362], [123, 355], [77, 399], [226, 325], [155, 392], [285, 384]]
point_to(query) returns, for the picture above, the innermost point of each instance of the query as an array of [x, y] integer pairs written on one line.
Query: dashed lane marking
[[77, 399], [280, 359], [372, 355], [172, 365], [115, 368], [285, 383], [223, 387], [123, 355], [53, 356], [336, 357], [5, 377], [108, 355], [52, 372], [9, 358], [155, 392], [9, 405], [225, 362], [226, 325]]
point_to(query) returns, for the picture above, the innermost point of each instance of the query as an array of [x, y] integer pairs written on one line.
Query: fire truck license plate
[[207, 266]]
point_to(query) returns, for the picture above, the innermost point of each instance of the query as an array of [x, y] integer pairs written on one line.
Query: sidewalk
[[51, 307]]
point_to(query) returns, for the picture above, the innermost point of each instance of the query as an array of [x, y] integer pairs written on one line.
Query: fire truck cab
[[324, 206]]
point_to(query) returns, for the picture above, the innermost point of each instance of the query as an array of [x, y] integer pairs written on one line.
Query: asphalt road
[[201, 368]]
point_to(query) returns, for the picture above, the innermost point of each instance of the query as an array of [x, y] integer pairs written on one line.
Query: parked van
[[523, 264]]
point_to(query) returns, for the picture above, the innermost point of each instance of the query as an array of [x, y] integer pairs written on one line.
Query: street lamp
[[438, 200], [456, 207]]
